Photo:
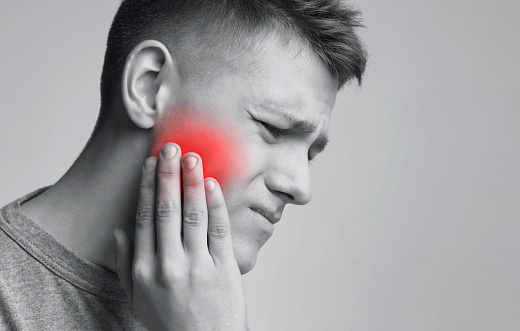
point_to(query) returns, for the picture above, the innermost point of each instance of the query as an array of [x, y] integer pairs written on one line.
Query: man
[[240, 91]]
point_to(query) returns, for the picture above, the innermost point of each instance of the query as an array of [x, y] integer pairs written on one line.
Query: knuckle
[[167, 174], [198, 259], [168, 274], [165, 209], [146, 184], [201, 274], [140, 273], [219, 204], [194, 217], [219, 230], [194, 183], [144, 213]]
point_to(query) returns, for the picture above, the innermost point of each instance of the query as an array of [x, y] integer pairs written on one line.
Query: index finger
[[219, 229]]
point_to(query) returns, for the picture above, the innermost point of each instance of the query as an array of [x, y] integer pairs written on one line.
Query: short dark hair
[[193, 29]]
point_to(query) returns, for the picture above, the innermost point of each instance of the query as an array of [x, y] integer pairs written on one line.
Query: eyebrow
[[300, 124]]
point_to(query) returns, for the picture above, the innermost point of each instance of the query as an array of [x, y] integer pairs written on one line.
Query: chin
[[246, 256], [247, 239], [246, 266]]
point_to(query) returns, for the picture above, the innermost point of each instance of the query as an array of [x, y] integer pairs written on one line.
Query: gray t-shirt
[[45, 286]]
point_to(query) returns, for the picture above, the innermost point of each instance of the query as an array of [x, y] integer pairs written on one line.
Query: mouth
[[271, 218], [262, 222]]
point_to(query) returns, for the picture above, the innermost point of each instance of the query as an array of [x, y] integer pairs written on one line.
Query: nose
[[290, 178]]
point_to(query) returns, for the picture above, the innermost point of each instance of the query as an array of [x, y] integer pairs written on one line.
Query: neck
[[97, 195]]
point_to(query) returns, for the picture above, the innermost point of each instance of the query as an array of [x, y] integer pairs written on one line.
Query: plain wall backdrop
[[414, 224]]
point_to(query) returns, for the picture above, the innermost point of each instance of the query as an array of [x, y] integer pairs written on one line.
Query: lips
[[271, 217]]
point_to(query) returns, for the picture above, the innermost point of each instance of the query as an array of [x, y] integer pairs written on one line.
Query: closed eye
[[277, 132], [273, 130]]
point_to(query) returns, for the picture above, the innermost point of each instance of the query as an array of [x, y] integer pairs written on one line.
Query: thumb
[[124, 254]]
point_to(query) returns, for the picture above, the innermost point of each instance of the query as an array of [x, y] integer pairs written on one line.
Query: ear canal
[[150, 87]]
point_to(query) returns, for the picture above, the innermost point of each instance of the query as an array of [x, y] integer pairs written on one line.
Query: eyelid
[[273, 130], [277, 132]]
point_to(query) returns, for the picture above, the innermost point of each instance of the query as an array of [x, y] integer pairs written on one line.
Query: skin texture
[[99, 192]]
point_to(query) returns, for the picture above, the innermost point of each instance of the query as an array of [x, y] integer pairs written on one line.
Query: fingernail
[[210, 185], [190, 162], [149, 164], [168, 151]]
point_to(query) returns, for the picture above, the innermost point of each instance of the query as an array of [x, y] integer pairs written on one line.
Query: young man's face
[[292, 83]]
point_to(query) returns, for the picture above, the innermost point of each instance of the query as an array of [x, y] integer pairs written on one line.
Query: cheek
[[220, 146]]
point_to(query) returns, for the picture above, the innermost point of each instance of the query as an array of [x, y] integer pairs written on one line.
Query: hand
[[181, 273]]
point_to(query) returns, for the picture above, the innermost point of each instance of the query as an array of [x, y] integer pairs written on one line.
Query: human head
[[203, 32], [184, 51]]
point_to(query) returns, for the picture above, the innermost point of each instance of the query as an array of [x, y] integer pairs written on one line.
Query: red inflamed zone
[[220, 146]]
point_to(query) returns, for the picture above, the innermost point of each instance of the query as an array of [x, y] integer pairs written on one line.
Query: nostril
[[286, 196]]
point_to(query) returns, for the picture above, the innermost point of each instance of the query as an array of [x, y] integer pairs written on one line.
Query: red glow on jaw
[[218, 144]]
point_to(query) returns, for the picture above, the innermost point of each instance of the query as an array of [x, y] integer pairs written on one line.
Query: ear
[[150, 80]]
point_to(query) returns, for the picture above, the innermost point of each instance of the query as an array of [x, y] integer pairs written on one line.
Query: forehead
[[281, 75], [290, 76]]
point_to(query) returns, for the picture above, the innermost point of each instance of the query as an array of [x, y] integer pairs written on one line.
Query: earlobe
[[148, 80]]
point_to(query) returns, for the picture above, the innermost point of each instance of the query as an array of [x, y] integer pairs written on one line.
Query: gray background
[[414, 223]]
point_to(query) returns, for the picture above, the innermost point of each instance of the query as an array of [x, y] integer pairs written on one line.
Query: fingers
[[168, 212], [144, 223], [180, 226], [219, 231], [123, 262], [195, 214]]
